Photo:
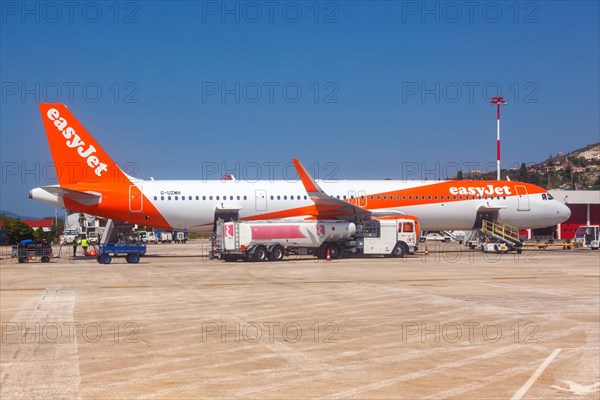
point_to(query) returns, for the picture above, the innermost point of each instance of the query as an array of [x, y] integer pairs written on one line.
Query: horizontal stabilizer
[[85, 198]]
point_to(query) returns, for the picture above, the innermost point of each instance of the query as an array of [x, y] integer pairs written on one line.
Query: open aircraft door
[[522, 198], [136, 199], [226, 214]]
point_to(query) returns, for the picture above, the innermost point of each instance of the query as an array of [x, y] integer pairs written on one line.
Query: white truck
[[273, 240], [587, 236], [69, 235], [93, 236], [148, 237], [164, 236]]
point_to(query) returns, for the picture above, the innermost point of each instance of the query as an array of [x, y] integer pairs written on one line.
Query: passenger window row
[[298, 197], [429, 197], [292, 197], [197, 198]]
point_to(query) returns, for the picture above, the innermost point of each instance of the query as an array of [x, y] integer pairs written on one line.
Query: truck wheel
[[260, 254], [45, 259], [133, 258], [399, 251], [23, 260], [334, 251], [104, 258], [276, 253]]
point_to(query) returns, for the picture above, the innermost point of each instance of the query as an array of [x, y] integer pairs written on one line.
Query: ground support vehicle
[[434, 236], [495, 237], [132, 252], [587, 236], [180, 237], [273, 240], [29, 250], [164, 236]]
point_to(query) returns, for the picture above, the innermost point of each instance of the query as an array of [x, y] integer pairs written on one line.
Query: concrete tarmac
[[454, 324]]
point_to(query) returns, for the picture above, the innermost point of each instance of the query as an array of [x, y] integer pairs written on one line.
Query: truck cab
[[588, 236], [394, 237], [69, 235], [93, 237]]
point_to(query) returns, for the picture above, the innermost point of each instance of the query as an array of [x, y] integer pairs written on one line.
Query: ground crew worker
[[75, 244], [84, 246]]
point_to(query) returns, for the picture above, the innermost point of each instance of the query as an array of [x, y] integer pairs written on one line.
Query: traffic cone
[[328, 258], [426, 250]]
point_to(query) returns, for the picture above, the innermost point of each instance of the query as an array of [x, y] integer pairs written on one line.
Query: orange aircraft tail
[[78, 158]]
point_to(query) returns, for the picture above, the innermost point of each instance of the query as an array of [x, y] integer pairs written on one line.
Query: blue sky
[[357, 90]]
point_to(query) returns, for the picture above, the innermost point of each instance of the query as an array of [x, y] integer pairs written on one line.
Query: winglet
[[309, 183], [328, 207]]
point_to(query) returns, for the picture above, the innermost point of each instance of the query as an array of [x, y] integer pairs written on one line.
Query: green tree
[[17, 230], [39, 234], [596, 186], [57, 229], [535, 179], [459, 175]]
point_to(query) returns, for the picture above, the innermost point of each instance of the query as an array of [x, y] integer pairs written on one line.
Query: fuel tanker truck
[[274, 240]]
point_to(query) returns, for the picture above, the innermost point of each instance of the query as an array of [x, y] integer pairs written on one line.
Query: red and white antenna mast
[[498, 101]]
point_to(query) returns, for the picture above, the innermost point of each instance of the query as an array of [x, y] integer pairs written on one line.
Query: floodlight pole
[[499, 101]]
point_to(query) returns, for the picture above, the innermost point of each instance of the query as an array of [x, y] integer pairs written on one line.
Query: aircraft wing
[[328, 207], [382, 212], [85, 198]]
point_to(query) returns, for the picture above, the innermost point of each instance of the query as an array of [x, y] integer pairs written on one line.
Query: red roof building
[[45, 224]]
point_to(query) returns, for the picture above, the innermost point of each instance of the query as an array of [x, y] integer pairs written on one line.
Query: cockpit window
[[544, 196], [550, 197]]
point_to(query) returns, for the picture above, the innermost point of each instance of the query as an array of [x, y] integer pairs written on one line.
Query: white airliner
[[91, 182]]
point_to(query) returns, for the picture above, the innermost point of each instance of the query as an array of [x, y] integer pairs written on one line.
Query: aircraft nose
[[563, 212]]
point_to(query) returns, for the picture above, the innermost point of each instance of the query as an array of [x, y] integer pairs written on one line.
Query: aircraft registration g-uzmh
[[89, 181]]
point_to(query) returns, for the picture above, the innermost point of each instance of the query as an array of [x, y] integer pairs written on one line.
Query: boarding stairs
[[117, 231], [452, 236], [502, 233]]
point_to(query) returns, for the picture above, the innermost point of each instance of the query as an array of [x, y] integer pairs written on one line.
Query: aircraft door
[[226, 215], [522, 198], [260, 197], [352, 197], [486, 215], [362, 198], [136, 199]]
